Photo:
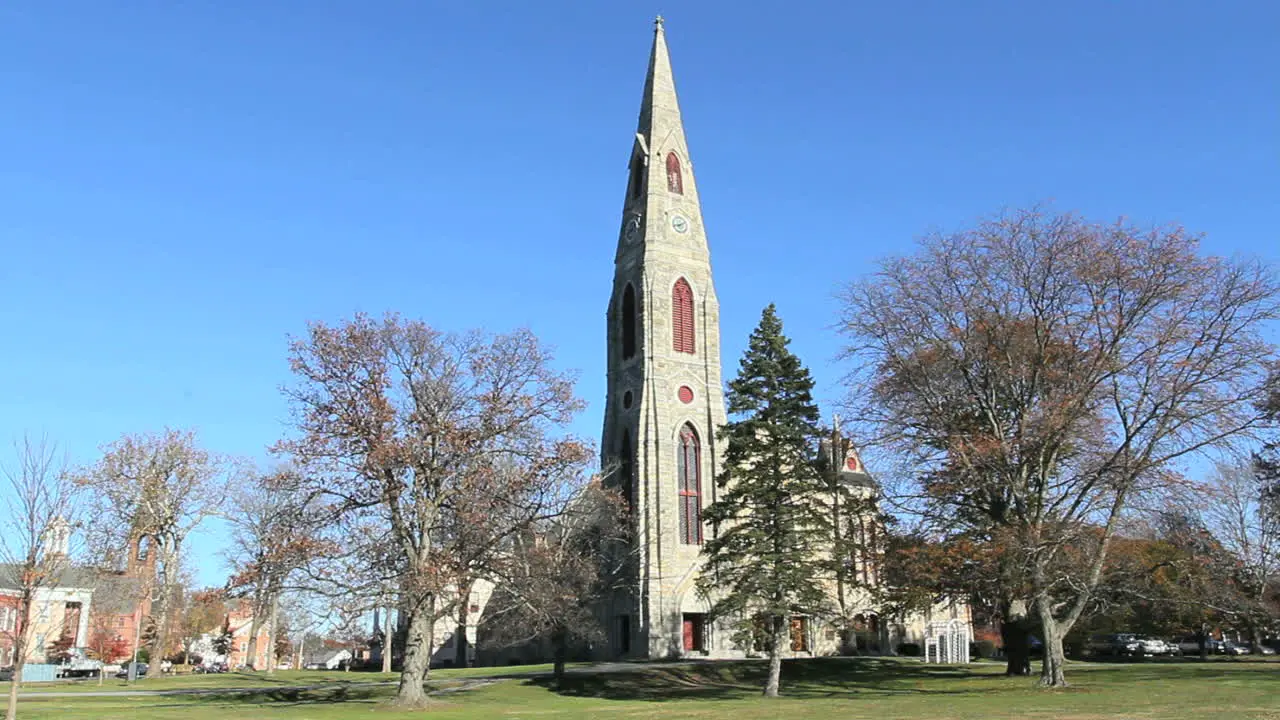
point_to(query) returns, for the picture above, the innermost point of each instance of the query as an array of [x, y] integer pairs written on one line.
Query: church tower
[[664, 399]]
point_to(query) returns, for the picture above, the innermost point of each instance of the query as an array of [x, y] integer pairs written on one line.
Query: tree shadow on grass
[[1174, 672], [805, 678], [283, 696]]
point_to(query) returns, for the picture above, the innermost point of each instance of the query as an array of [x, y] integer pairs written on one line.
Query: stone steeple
[[664, 400]]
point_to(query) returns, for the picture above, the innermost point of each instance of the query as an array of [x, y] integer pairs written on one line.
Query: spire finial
[[657, 24]]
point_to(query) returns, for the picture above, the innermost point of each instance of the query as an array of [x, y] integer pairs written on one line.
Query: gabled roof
[[70, 576]]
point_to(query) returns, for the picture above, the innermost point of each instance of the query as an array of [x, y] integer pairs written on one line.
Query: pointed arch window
[[628, 323], [683, 337], [637, 175], [675, 179], [689, 474]]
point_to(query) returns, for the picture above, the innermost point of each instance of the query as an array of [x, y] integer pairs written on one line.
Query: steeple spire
[[665, 400], [658, 107]]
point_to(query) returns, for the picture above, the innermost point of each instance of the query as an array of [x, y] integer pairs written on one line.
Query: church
[[664, 402]]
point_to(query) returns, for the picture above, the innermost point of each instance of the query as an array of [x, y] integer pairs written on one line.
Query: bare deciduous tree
[[1043, 373], [1236, 510], [552, 578], [154, 488], [273, 525], [413, 428], [40, 510]]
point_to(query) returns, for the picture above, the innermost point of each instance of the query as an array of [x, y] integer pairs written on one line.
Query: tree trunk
[[1015, 630], [131, 674], [164, 600], [271, 633], [560, 645], [775, 657], [20, 638], [1255, 637], [12, 712], [388, 634], [417, 658], [255, 626], [1052, 667], [461, 647]]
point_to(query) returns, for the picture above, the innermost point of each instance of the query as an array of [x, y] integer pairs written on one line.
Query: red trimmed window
[[682, 336], [675, 181], [689, 472]]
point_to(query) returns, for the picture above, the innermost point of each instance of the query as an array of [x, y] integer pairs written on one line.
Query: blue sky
[[183, 185]]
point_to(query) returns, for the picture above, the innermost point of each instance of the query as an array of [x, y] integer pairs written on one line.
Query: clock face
[[680, 223], [631, 227]]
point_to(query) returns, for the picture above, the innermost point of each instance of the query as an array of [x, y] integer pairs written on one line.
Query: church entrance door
[[693, 628]]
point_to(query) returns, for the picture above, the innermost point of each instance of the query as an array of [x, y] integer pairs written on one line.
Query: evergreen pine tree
[[763, 564]]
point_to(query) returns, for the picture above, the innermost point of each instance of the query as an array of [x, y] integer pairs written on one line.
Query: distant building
[[59, 614], [239, 619]]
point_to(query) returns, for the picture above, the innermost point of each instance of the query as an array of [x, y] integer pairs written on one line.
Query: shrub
[[909, 649], [982, 649]]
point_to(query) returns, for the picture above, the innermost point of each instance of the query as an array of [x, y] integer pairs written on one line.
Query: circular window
[[626, 400], [685, 394]]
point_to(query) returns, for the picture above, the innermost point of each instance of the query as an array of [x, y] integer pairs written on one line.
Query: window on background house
[[689, 476]]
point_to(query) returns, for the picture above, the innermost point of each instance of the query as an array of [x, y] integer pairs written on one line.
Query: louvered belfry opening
[[689, 472], [675, 179], [682, 336]]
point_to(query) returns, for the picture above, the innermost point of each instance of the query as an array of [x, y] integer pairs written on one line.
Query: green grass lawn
[[281, 678], [879, 689]]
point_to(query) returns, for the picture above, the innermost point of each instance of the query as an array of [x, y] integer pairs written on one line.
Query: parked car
[[77, 664], [1231, 647], [1248, 648], [1154, 646], [1114, 644], [1190, 645], [139, 672]]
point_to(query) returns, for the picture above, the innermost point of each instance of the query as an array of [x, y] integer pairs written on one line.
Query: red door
[[688, 634]]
